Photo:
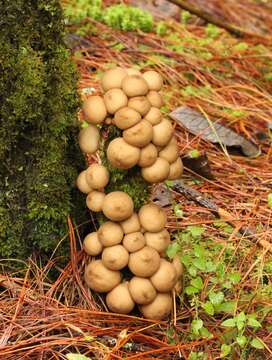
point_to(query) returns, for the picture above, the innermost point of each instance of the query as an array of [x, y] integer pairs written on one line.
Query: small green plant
[[185, 16], [161, 28]]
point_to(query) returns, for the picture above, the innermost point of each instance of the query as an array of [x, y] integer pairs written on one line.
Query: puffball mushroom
[[113, 78], [97, 176], [153, 116], [81, 183], [115, 257], [144, 262], [134, 85], [148, 155], [115, 99], [141, 290], [178, 266], [99, 278], [89, 139], [131, 225], [121, 154], [156, 172], [152, 217], [126, 118], [139, 135], [176, 170], [95, 200], [162, 133], [140, 104], [94, 109], [110, 233], [153, 79], [119, 299], [155, 99], [133, 71], [158, 241], [117, 206], [159, 308], [165, 277], [134, 241], [170, 152], [92, 245]]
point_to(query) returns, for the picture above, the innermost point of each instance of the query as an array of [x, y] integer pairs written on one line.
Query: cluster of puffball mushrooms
[[133, 242]]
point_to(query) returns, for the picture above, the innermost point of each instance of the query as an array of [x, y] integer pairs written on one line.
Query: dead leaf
[[199, 165], [162, 196], [158, 8], [197, 124]]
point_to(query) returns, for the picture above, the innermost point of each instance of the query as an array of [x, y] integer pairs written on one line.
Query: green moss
[[38, 151]]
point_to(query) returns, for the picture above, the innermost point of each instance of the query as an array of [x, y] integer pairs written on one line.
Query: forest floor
[[225, 310]]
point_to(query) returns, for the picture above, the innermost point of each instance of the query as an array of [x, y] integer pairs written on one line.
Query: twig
[[195, 195], [236, 30]]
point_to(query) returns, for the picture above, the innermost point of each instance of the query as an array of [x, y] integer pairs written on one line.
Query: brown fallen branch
[[233, 29], [195, 195]]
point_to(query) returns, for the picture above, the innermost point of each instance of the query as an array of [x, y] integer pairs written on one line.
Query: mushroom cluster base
[[128, 252]]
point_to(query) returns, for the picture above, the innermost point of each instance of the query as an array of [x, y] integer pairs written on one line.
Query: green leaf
[[199, 251], [169, 183], [196, 325], [216, 298], [192, 271], [71, 356], [269, 200], [253, 322], [241, 316], [225, 350], [194, 154], [173, 249], [227, 307], [234, 277], [189, 290], [208, 307], [186, 260], [197, 283], [240, 320], [229, 323], [241, 340], [204, 332], [195, 230], [200, 263], [178, 211], [257, 343]]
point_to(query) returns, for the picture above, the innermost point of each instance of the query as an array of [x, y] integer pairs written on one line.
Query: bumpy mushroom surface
[[165, 277], [157, 172], [152, 217], [118, 206], [142, 291], [126, 117], [121, 154], [110, 233], [140, 104], [158, 241], [153, 79], [153, 116], [131, 225], [92, 245], [119, 299], [170, 152], [94, 109], [139, 135], [176, 170], [134, 241], [159, 308], [155, 99], [133, 71], [82, 184], [89, 139], [148, 155], [94, 200], [144, 262], [115, 257], [99, 278], [162, 133], [114, 100], [97, 176], [113, 78], [134, 85]]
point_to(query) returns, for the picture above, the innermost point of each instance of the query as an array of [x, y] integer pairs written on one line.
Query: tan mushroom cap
[[89, 139], [99, 278], [152, 217], [144, 262], [165, 277], [157, 172], [115, 257], [153, 79], [140, 104], [94, 109], [176, 170], [112, 78], [121, 154], [115, 99], [139, 135], [126, 117], [118, 206], [97, 176], [119, 299], [134, 85], [159, 308], [158, 241], [92, 245], [95, 200], [110, 233], [148, 155], [142, 291], [81, 183]]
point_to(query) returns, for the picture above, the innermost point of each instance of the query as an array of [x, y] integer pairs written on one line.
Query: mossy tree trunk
[[39, 158]]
